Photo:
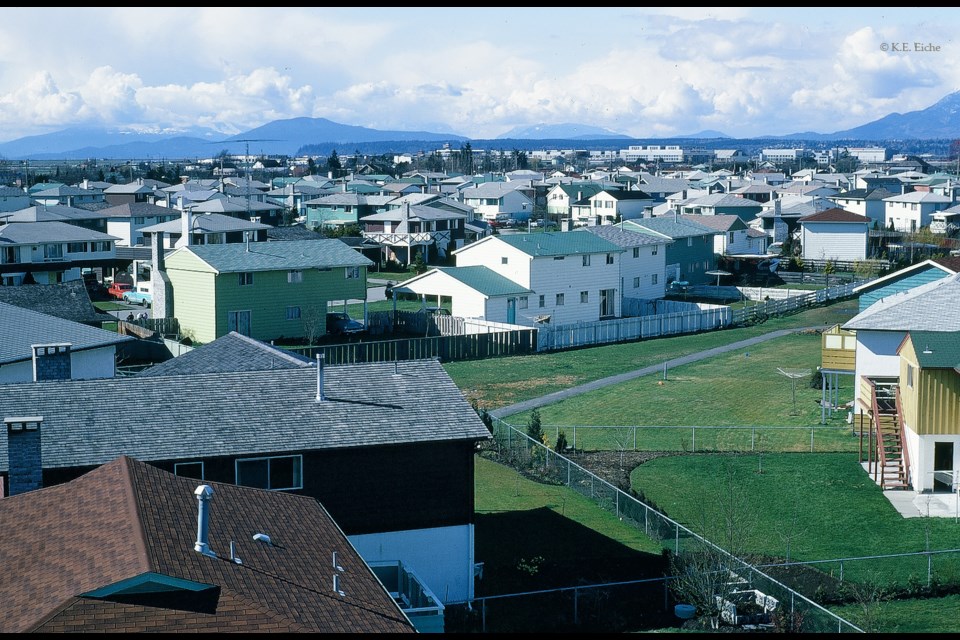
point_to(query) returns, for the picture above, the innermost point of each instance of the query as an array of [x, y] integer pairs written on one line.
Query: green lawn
[[498, 382], [918, 615], [705, 394], [110, 305]]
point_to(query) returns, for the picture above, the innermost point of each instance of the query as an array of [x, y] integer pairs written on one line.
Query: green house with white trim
[[264, 290]]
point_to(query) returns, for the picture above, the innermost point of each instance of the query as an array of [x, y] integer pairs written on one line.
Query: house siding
[[834, 241], [876, 357], [644, 267], [928, 274], [194, 294], [692, 259]]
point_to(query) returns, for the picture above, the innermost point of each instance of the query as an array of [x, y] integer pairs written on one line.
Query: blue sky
[[477, 72]]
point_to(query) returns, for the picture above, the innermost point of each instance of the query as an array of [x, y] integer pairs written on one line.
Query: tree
[[311, 167], [419, 266], [535, 427], [333, 162], [314, 319], [466, 158]]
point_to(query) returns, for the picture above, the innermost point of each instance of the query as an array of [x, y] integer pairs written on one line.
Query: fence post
[[676, 544], [568, 473], [576, 593], [753, 439], [811, 439], [694, 439], [483, 615], [574, 437], [634, 438]]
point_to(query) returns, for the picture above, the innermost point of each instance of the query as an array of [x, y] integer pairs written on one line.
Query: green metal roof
[[485, 280], [559, 243], [271, 256], [937, 349]]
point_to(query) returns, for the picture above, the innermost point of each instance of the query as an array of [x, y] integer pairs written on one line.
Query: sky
[[475, 72]]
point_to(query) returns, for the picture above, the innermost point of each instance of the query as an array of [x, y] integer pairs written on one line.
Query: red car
[[117, 289]]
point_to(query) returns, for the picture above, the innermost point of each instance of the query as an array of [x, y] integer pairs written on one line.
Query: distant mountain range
[[567, 131], [320, 136]]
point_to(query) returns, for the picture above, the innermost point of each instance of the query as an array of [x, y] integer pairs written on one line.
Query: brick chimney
[[24, 470], [51, 361]]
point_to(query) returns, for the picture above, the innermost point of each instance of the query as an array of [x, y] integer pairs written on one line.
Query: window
[[523, 302], [53, 251], [584, 297], [653, 279], [246, 278], [275, 473], [910, 375], [103, 245], [609, 258], [636, 282], [636, 252], [542, 302], [293, 313], [189, 469], [586, 260], [352, 272], [296, 276], [690, 241], [559, 299], [654, 251], [503, 260], [730, 237], [76, 247]]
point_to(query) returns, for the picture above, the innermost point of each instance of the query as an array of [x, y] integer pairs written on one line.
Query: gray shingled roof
[[928, 307], [207, 223], [622, 237], [242, 413], [48, 232], [68, 300], [231, 352], [271, 256], [667, 226], [22, 328]]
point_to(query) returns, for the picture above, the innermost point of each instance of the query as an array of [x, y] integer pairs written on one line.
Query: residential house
[[232, 352], [51, 252], [690, 253], [93, 220], [780, 218], [408, 230], [913, 210], [130, 548], [66, 195], [866, 202], [13, 199], [835, 234], [33, 340], [125, 221], [493, 200], [206, 228], [723, 204], [574, 277], [642, 262], [474, 292], [929, 387], [139, 190], [733, 236], [561, 196], [612, 205], [387, 448], [264, 290], [946, 221], [881, 329]]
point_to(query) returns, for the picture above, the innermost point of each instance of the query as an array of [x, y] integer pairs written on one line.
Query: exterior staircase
[[893, 468]]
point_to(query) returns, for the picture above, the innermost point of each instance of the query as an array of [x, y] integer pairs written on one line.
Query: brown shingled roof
[[835, 215], [126, 518]]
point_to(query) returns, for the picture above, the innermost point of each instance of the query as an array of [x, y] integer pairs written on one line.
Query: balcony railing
[[415, 598]]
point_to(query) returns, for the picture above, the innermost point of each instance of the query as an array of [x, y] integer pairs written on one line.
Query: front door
[[239, 321], [942, 461], [511, 311], [607, 302]]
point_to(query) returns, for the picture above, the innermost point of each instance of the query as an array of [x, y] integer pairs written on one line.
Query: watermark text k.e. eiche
[[908, 47]]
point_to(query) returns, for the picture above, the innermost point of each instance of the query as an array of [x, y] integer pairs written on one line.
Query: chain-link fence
[[520, 451]]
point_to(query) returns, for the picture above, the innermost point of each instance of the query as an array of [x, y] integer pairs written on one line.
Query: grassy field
[[706, 394], [917, 615], [497, 382]]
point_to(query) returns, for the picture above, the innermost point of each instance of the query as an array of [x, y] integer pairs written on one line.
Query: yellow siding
[[932, 407], [192, 281], [838, 349]]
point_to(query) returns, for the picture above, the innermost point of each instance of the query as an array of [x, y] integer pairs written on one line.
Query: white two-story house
[[51, 252]]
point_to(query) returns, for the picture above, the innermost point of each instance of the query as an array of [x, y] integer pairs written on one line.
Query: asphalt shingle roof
[[271, 256], [835, 215], [48, 232], [231, 352], [65, 548], [68, 300], [247, 412], [484, 280], [928, 307], [937, 349], [667, 226], [22, 328], [622, 237]]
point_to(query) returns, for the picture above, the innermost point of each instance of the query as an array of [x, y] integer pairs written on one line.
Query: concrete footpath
[[563, 394]]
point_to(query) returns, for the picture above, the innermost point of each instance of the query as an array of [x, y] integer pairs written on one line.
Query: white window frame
[[636, 252], [584, 297], [298, 482], [293, 313], [559, 300], [636, 282], [245, 278], [294, 276], [586, 259], [654, 251], [351, 272], [523, 302]]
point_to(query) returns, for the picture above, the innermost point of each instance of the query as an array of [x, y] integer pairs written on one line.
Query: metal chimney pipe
[[320, 395], [204, 494]]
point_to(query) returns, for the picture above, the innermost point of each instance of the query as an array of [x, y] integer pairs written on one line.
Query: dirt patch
[[615, 466]]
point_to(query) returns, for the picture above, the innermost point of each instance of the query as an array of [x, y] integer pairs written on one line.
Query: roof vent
[[204, 494], [262, 537]]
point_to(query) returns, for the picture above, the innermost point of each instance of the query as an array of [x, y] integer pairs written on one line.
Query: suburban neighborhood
[[211, 327]]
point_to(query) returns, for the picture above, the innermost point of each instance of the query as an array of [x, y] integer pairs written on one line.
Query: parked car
[[138, 297], [340, 324], [119, 289]]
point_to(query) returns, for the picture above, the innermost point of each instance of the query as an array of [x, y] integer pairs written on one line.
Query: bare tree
[[314, 319]]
